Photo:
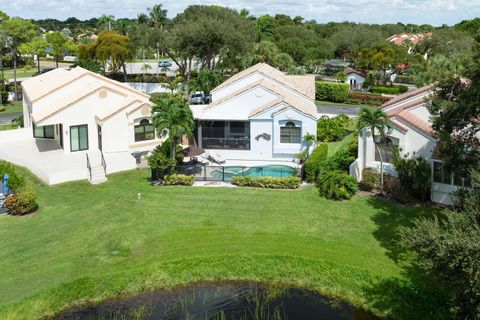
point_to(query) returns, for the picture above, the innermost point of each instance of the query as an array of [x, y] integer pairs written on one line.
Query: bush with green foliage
[[18, 121], [406, 79], [160, 164], [331, 91], [370, 179], [341, 160], [15, 180], [336, 185], [21, 203], [333, 129], [448, 249], [311, 167], [267, 182], [414, 175], [398, 89], [366, 98], [4, 96], [178, 180]]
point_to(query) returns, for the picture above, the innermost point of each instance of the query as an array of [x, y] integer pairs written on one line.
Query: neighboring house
[[409, 40], [355, 79], [260, 114], [79, 125], [412, 132]]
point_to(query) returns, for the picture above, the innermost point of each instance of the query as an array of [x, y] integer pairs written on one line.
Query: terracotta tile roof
[[411, 119], [304, 84], [359, 72], [414, 38]]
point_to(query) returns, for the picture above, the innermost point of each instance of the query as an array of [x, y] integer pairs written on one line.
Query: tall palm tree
[[171, 113], [105, 22], [375, 122], [157, 15]]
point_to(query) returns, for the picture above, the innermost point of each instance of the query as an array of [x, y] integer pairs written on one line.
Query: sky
[[435, 12]]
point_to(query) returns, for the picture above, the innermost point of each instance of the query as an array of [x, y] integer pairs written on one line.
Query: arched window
[[144, 131], [386, 147], [290, 133]]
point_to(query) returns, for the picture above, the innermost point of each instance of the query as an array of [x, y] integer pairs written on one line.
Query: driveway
[[335, 111], [7, 118]]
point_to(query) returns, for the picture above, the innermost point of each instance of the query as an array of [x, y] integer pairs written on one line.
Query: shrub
[[4, 96], [160, 164], [367, 98], [331, 91], [267, 182], [333, 129], [178, 180], [337, 185], [312, 164], [21, 203], [414, 175], [341, 160], [389, 89], [370, 179], [15, 181], [405, 79]]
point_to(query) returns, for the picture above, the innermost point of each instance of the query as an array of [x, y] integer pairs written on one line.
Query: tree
[[105, 22], [205, 81], [171, 113], [309, 140], [110, 49], [448, 249], [3, 45], [35, 47], [351, 39], [374, 122], [157, 15], [18, 31], [440, 68], [59, 45]]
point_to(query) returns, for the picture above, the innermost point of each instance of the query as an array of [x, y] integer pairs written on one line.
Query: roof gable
[[302, 84]]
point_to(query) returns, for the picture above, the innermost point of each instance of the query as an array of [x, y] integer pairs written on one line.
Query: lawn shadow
[[416, 295]]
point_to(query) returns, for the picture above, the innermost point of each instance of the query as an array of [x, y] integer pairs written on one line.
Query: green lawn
[[88, 243], [336, 104], [14, 107], [21, 73]]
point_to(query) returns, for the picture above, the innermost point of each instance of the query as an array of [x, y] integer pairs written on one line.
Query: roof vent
[[103, 94]]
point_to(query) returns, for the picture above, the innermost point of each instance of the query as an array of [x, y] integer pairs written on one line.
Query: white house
[[258, 115], [355, 79], [79, 125], [412, 132]]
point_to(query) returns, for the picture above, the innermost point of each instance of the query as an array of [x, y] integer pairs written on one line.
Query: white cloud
[[374, 11]]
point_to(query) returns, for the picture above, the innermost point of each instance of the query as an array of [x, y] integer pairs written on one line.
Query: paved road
[[334, 110], [7, 118]]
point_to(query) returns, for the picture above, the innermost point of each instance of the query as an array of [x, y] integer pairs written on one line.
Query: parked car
[[164, 64], [198, 97]]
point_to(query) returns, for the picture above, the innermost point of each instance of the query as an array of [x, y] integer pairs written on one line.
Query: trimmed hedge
[[389, 89], [367, 98], [331, 91], [267, 182], [178, 180], [337, 185], [333, 129], [311, 166]]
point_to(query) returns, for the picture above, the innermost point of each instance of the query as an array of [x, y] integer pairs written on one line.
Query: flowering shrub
[[21, 203]]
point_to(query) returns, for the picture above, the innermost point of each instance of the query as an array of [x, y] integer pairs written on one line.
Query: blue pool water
[[264, 171]]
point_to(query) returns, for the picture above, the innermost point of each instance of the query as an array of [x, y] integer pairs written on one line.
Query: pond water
[[242, 301]]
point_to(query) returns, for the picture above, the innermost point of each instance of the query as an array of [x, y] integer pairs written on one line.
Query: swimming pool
[[226, 173]]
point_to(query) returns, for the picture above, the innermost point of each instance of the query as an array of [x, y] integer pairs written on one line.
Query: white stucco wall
[[273, 150], [353, 76]]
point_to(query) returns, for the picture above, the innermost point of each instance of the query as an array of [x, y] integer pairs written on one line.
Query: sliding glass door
[[79, 138]]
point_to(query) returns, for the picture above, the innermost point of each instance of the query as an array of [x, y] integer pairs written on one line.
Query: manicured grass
[[13, 107], [5, 127], [87, 243], [336, 104], [333, 147], [21, 73]]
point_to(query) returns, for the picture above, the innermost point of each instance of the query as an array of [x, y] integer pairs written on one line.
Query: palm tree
[[157, 15], [171, 113], [309, 140], [105, 22], [375, 122]]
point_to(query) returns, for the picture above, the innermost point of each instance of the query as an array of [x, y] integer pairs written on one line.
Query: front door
[[99, 129], [79, 138]]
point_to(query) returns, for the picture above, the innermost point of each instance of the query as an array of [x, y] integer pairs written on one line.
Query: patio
[[45, 158]]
